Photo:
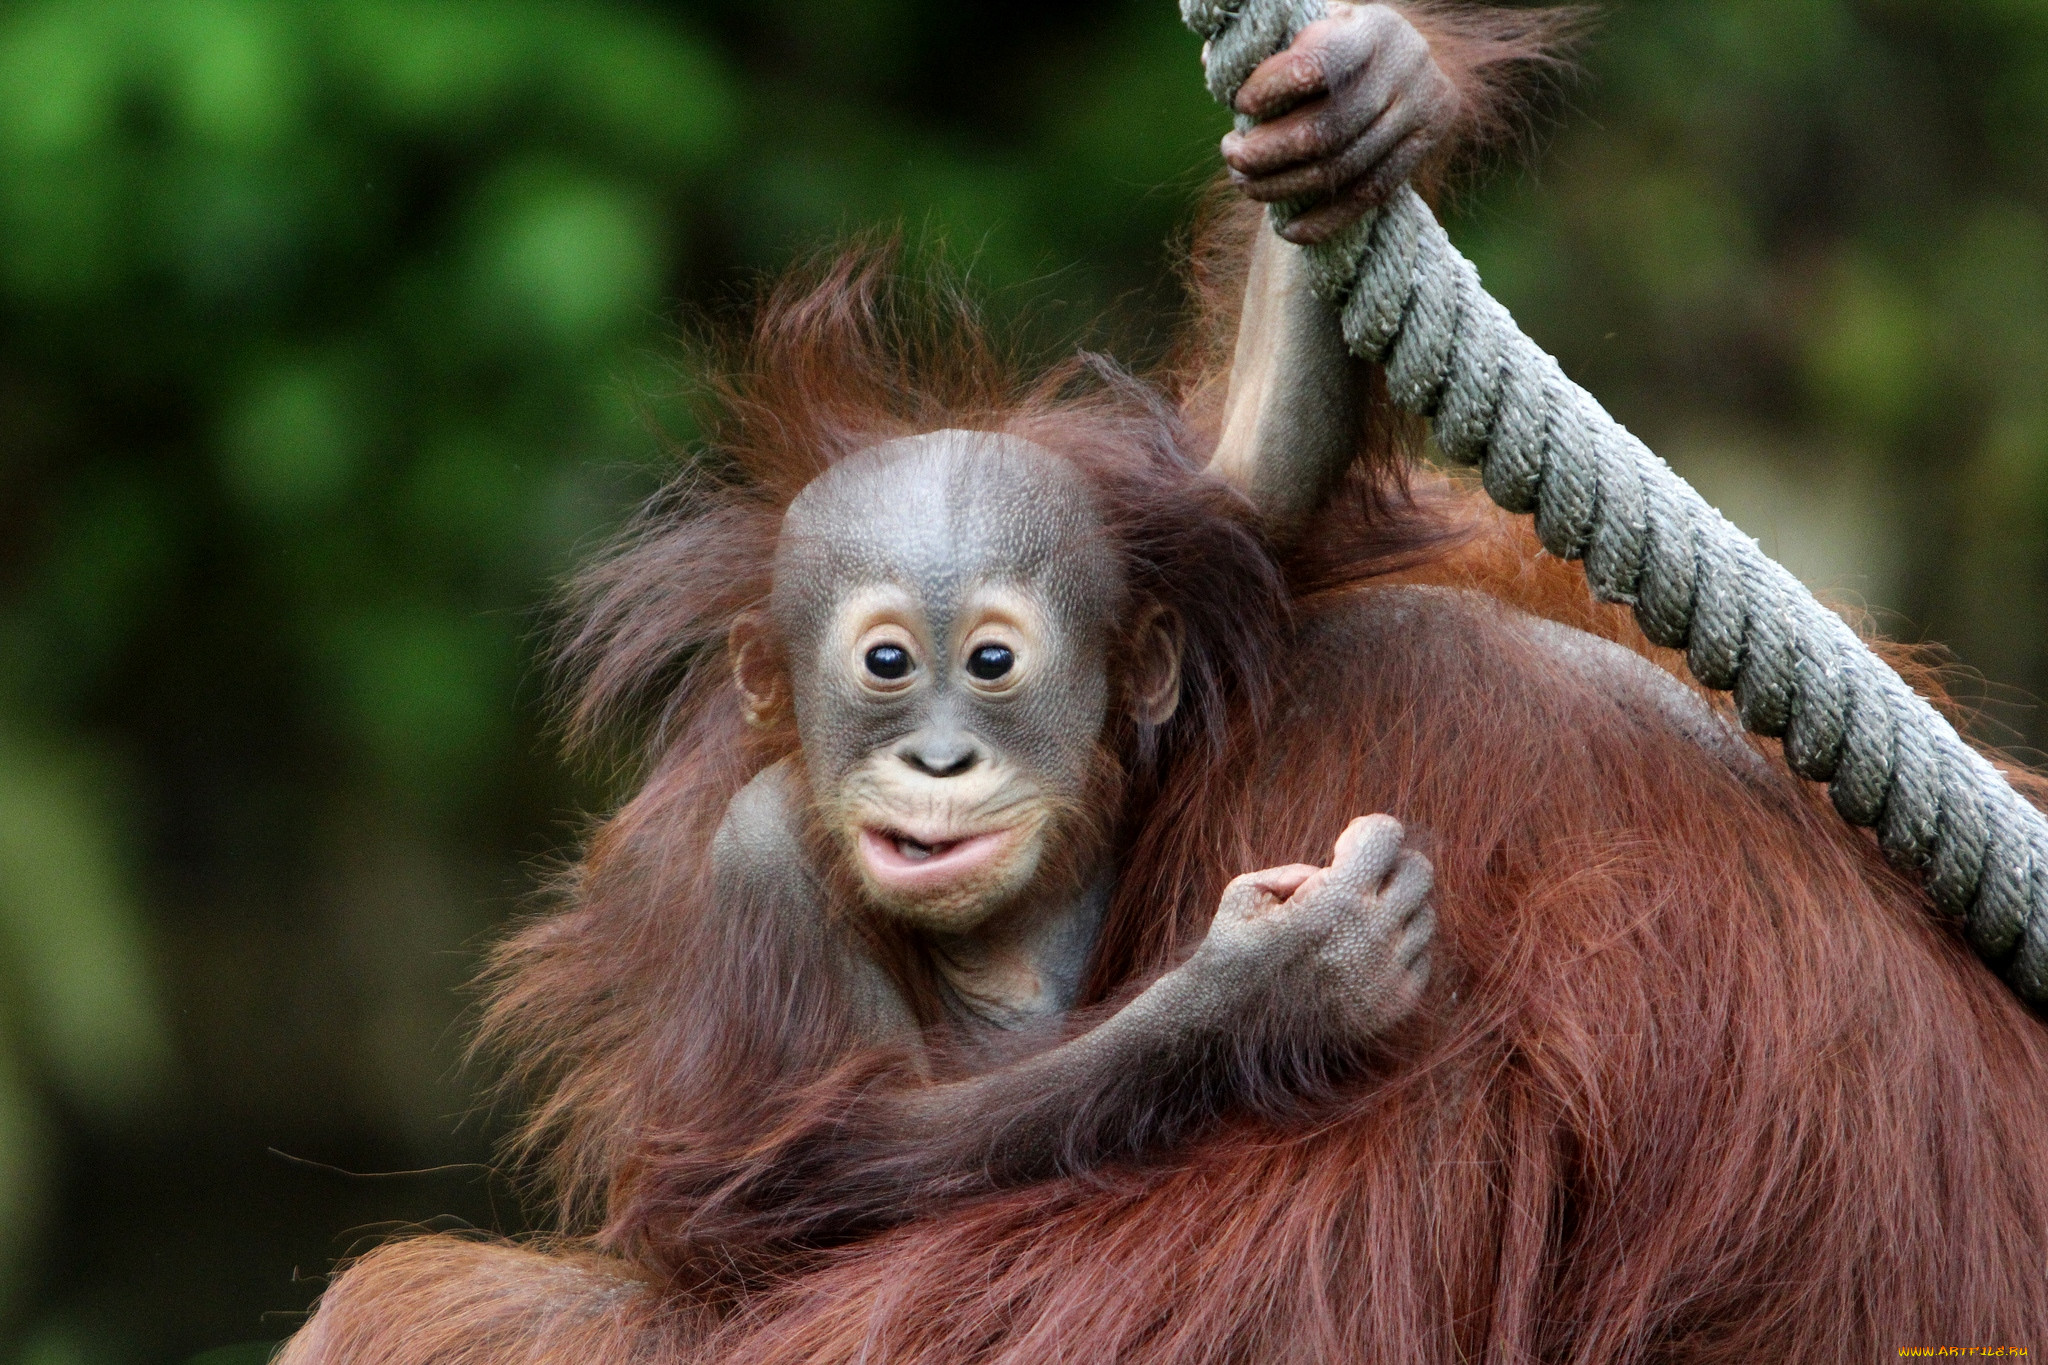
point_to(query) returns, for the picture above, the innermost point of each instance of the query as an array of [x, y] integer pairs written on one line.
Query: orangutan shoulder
[[763, 823], [1459, 640], [767, 874]]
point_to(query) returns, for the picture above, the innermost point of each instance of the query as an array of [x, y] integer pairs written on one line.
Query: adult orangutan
[[833, 1062]]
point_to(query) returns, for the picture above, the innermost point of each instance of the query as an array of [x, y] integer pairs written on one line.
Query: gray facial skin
[[935, 547], [939, 524], [938, 548]]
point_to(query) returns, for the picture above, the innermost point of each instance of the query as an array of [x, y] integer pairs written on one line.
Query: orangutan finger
[[1324, 220], [1361, 160], [1365, 853]]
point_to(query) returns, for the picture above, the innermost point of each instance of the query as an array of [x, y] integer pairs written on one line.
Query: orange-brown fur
[[1700, 1080]]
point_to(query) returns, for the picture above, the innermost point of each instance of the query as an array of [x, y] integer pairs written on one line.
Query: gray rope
[[1412, 303]]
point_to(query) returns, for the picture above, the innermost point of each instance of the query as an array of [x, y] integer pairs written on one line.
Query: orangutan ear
[[757, 668], [1155, 665]]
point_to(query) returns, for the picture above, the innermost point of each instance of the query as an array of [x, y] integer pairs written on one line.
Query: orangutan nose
[[940, 754]]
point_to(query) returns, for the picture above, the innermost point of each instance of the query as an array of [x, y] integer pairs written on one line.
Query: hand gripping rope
[[1412, 303]]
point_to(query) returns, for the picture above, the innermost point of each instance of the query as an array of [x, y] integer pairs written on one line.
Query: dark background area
[[332, 334]]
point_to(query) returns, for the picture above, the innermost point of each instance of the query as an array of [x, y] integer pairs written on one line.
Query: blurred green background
[[331, 333]]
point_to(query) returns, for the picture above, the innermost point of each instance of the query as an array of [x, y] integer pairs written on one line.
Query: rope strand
[[1410, 301]]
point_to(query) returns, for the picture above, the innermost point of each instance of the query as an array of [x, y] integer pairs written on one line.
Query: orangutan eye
[[991, 662], [890, 663]]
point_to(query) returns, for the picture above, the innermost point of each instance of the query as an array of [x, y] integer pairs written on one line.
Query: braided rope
[[1412, 303]]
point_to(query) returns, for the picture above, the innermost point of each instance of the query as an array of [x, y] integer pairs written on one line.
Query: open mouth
[[901, 861], [913, 851]]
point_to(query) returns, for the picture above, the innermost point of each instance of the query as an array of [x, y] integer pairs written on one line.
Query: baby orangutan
[[952, 628], [923, 932]]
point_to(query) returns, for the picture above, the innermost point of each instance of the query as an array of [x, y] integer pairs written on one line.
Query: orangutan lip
[[904, 862]]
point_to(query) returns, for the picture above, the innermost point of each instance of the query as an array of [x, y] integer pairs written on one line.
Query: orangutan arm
[[1301, 971], [1362, 101]]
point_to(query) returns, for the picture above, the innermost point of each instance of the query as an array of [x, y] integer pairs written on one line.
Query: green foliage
[[330, 333], [249, 1353]]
